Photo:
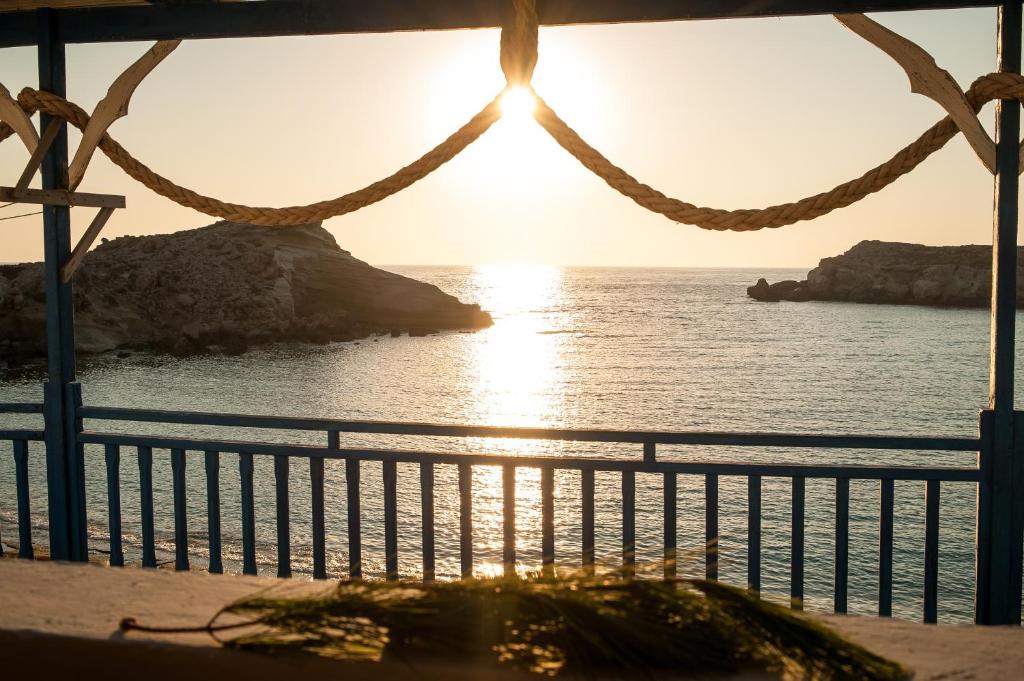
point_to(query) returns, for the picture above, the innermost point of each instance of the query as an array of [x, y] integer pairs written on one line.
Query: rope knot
[[519, 43]]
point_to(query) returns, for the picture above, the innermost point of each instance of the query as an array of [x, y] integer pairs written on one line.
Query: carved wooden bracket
[[67, 270], [13, 115], [115, 105], [926, 78]]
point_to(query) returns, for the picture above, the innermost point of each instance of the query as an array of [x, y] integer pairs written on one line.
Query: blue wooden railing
[[19, 440], [626, 467]]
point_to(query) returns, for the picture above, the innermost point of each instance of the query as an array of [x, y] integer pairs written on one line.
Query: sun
[[516, 154], [518, 103]]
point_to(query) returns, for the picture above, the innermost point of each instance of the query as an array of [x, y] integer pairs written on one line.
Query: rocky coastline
[[894, 273], [223, 288]]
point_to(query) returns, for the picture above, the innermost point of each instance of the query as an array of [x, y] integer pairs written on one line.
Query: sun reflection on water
[[520, 364]]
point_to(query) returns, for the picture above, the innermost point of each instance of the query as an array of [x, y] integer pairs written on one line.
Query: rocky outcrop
[[224, 288], [897, 273]]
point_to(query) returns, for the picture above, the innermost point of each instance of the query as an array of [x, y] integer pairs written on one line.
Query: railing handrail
[[706, 438], [23, 434], [640, 465], [21, 408]]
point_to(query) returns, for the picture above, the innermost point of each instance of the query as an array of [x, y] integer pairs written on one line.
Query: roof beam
[[319, 17]]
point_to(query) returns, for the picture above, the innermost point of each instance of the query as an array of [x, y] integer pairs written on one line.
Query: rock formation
[[224, 288], [897, 273]]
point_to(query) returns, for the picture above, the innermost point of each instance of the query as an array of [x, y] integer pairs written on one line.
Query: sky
[[729, 113]]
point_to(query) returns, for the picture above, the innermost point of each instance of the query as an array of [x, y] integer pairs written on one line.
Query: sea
[[650, 349]]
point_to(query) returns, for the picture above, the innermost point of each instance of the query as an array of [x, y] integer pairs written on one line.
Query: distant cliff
[[897, 273], [224, 288]]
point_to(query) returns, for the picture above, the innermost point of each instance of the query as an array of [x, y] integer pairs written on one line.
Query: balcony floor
[[60, 620]]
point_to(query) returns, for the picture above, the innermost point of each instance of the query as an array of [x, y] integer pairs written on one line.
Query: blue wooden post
[[670, 525], [508, 487], [1000, 523], [547, 521], [711, 539], [427, 513], [389, 470], [282, 504], [146, 506], [212, 460], [180, 509], [754, 534], [25, 549], [796, 547], [466, 520], [587, 522], [112, 455], [885, 540], [316, 489], [628, 523], [245, 473], [66, 504]]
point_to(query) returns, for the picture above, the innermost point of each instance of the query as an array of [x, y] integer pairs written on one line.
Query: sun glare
[[516, 154], [518, 103], [518, 359]]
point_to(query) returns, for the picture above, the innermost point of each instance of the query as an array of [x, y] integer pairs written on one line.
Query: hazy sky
[[734, 113]]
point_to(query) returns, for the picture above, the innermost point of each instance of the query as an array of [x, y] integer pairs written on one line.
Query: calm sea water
[[602, 348]]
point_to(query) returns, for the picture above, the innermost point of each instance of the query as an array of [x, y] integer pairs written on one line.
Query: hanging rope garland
[[518, 58]]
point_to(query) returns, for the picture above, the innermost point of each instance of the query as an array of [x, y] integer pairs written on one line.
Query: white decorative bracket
[[13, 115], [114, 106], [926, 78], [67, 270]]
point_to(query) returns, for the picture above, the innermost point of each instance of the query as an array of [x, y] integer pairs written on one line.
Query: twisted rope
[[36, 100], [519, 42], [983, 90]]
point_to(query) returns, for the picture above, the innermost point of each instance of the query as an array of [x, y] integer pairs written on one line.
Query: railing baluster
[[146, 506], [796, 550], [508, 490], [212, 460], [842, 544], [355, 541], [390, 473], [245, 471], [180, 510], [931, 552], [628, 523], [427, 514], [25, 549], [466, 519], [587, 506], [670, 527], [547, 521], [885, 533], [112, 457], [284, 539], [316, 493], [754, 534], [711, 526]]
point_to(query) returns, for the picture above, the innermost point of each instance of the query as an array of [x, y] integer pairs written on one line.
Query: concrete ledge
[[60, 621]]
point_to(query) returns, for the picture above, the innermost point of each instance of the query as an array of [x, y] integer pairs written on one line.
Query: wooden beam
[[91, 232], [25, 5], [36, 160], [322, 17], [115, 105], [59, 197]]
